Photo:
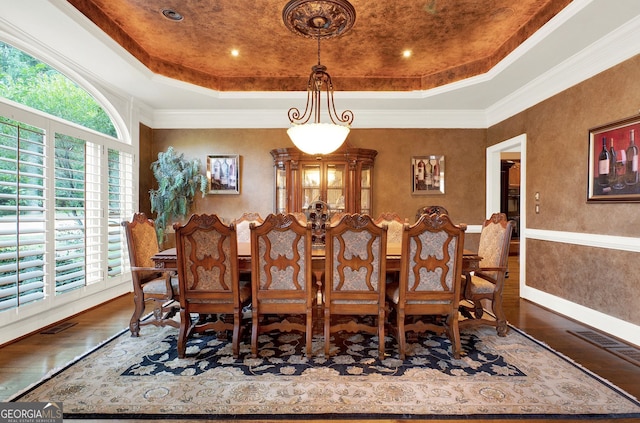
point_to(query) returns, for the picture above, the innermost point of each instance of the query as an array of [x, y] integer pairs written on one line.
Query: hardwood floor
[[26, 361]]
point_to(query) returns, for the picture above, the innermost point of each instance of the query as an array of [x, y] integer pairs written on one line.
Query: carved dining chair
[[395, 227], [429, 210], [302, 217], [242, 225], [487, 282], [336, 216], [426, 297], [207, 259], [354, 286], [149, 283], [282, 289]]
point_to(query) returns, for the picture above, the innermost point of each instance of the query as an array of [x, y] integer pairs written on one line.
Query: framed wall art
[[427, 175], [223, 173], [613, 161]]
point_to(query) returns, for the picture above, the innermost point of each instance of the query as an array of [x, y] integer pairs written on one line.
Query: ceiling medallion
[[319, 18]]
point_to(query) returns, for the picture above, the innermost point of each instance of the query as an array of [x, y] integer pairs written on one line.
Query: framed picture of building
[[427, 175], [613, 161], [223, 173]]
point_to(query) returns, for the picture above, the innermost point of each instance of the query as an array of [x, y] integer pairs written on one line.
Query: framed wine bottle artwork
[[223, 173], [427, 175], [613, 161]]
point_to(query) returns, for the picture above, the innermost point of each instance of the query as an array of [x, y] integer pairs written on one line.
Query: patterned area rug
[[511, 377]]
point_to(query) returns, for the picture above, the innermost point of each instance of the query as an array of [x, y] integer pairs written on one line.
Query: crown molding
[[620, 45], [258, 118]]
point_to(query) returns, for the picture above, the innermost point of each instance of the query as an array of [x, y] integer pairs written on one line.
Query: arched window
[[63, 189], [28, 81]]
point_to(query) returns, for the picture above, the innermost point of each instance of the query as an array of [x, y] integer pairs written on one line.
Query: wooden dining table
[[167, 259]]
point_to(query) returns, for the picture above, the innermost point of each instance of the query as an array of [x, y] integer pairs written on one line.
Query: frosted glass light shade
[[318, 138]]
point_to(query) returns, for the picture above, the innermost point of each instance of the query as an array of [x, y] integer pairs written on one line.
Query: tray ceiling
[[448, 40]]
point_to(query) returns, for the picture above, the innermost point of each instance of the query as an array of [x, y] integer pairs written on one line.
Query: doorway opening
[[509, 150]]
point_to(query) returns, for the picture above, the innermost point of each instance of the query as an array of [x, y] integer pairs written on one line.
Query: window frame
[[107, 287]]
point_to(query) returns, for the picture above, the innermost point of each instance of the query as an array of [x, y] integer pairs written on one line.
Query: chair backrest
[[281, 259], [395, 226], [429, 210], [242, 225], [142, 240], [207, 262], [336, 216], [302, 218], [355, 268], [494, 244], [431, 262]]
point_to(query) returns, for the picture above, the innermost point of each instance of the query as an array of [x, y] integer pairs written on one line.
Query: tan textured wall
[[464, 168], [557, 152], [597, 278], [557, 161], [256, 164]]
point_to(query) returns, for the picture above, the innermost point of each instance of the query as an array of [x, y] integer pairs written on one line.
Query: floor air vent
[[58, 328], [622, 350]]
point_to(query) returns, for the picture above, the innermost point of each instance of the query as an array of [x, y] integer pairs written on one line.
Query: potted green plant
[[178, 180]]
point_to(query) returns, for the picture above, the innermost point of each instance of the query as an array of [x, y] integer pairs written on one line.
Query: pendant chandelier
[[319, 19]]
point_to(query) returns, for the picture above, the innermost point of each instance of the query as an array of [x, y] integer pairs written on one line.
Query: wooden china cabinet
[[342, 179]]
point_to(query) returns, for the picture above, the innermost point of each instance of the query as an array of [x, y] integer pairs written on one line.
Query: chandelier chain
[[318, 46]]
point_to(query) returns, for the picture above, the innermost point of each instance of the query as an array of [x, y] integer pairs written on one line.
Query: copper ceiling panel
[[450, 40]]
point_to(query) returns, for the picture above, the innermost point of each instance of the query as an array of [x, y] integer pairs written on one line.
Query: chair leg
[[381, 324], [401, 333], [501, 320], [185, 326], [235, 339], [454, 335], [478, 310], [309, 332], [138, 309], [327, 331], [255, 319]]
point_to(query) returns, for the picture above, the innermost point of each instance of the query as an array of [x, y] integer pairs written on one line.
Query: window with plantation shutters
[[67, 181], [77, 209], [22, 215], [120, 165], [60, 217]]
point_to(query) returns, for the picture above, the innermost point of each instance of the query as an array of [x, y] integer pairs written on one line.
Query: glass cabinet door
[[324, 182], [365, 190], [311, 184], [335, 186], [281, 190]]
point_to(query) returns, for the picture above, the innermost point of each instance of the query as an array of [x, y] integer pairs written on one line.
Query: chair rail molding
[[613, 242]]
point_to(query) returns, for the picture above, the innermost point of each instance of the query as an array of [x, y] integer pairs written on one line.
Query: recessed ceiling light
[[172, 15], [406, 53], [235, 52]]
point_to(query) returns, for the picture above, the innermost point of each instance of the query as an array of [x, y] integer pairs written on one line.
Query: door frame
[[517, 144]]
